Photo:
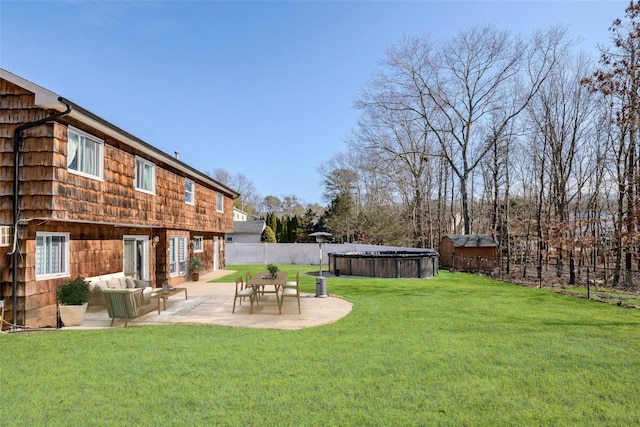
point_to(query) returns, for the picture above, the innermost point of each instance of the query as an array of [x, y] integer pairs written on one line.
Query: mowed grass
[[453, 350]]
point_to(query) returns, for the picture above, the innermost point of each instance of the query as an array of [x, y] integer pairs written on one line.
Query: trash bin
[[321, 287]]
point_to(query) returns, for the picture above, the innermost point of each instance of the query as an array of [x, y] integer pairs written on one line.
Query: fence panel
[[292, 253]]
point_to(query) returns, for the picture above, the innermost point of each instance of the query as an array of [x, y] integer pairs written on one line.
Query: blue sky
[[260, 88]]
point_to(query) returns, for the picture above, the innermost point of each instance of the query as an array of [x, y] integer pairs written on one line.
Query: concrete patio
[[211, 304]]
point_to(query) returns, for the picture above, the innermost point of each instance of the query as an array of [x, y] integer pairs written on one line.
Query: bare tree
[[249, 200], [619, 81], [562, 115]]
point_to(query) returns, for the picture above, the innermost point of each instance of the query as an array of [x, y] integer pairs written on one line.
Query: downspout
[[17, 137]]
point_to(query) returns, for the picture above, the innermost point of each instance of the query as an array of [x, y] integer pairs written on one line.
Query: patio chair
[[293, 284], [125, 304], [291, 290], [242, 292], [248, 276]]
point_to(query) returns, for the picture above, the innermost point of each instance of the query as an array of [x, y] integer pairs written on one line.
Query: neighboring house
[[239, 215], [246, 232], [90, 199], [468, 252]]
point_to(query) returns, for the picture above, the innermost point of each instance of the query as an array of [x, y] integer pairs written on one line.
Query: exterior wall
[[446, 252], [93, 251], [116, 199], [96, 213], [467, 258]]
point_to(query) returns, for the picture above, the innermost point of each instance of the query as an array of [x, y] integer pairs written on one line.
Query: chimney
[[176, 154]]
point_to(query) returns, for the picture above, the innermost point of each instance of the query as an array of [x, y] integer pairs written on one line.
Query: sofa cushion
[[141, 283], [113, 284], [130, 283], [98, 287]]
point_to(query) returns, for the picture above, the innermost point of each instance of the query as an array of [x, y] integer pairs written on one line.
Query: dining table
[[262, 282]]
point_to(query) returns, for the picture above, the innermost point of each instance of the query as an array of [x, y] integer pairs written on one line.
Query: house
[[81, 197], [246, 232], [239, 215], [468, 252]]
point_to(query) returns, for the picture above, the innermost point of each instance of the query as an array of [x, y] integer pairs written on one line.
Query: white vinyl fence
[[292, 253]]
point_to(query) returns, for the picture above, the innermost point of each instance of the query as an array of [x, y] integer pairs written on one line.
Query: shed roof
[[472, 240], [248, 227]]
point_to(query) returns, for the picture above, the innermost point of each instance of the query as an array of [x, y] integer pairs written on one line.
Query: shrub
[[195, 264], [73, 292]]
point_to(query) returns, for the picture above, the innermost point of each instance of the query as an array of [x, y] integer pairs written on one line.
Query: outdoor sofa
[[98, 284], [127, 304]]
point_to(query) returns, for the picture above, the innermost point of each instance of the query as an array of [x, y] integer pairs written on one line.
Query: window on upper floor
[[145, 175], [219, 202], [85, 154], [52, 255], [198, 244], [189, 191]]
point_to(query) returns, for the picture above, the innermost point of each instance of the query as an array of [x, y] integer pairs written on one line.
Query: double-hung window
[[219, 202], [85, 154], [5, 235], [177, 255], [145, 175], [198, 244], [189, 191], [52, 255]]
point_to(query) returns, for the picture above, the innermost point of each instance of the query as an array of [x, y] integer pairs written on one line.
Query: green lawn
[[453, 350]]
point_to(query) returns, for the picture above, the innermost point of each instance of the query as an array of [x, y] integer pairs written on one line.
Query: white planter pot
[[71, 315]]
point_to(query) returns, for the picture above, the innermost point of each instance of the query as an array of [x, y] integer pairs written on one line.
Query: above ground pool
[[416, 263]]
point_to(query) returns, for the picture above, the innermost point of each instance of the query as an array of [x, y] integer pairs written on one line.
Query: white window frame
[[5, 235], [189, 194], [219, 202], [63, 240], [82, 152], [140, 163], [198, 244], [177, 256]]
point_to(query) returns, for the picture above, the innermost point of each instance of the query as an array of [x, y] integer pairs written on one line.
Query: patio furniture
[[125, 304], [293, 284], [247, 276], [165, 293], [243, 292], [290, 290], [263, 279], [117, 280]]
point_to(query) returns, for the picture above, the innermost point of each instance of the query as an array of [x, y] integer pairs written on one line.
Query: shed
[[468, 252]]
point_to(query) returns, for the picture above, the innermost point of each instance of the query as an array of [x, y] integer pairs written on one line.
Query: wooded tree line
[[523, 139]]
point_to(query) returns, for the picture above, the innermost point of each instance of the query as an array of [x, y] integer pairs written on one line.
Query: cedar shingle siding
[[97, 213]]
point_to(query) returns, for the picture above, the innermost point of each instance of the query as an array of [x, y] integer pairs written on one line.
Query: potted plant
[[195, 265], [72, 298], [273, 270]]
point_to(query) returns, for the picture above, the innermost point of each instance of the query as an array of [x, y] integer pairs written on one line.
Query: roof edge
[[50, 100]]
